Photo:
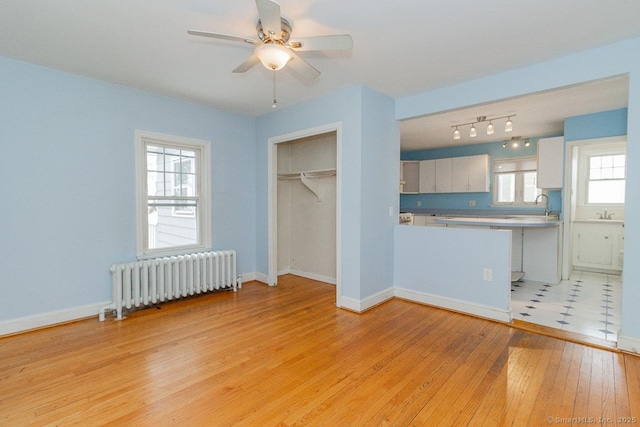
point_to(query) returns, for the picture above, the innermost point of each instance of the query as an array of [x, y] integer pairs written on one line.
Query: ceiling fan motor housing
[[284, 34]]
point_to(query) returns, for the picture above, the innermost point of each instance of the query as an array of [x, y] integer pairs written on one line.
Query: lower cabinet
[[596, 246], [426, 220]]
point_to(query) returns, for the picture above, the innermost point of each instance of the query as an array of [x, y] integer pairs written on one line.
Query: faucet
[[605, 215], [547, 208]]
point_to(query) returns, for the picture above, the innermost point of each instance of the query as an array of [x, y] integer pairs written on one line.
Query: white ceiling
[[400, 48]]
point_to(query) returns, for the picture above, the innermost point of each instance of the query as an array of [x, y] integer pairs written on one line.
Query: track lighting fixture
[[473, 132], [514, 142]]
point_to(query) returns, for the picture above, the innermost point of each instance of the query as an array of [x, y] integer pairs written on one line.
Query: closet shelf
[[306, 178], [308, 174]]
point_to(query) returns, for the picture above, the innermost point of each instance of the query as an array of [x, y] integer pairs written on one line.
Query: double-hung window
[[515, 181], [173, 194], [606, 179]]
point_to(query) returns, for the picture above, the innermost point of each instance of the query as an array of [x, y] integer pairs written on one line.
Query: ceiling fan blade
[[302, 67], [247, 65], [337, 42], [269, 12], [223, 37]]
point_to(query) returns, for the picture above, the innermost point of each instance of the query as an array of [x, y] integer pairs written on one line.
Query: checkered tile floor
[[588, 303]]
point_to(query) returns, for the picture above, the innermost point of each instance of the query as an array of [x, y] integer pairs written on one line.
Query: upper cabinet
[[468, 174], [471, 174], [550, 162], [435, 176], [444, 175], [427, 176], [409, 177]]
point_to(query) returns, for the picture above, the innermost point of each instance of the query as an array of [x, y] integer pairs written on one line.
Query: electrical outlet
[[472, 203], [487, 274], [419, 203]]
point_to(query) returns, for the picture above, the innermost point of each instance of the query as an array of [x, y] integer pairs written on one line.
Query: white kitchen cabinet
[[436, 176], [550, 162], [426, 220], [444, 175], [427, 176], [460, 174], [470, 174], [409, 177], [419, 220], [596, 245], [479, 174]]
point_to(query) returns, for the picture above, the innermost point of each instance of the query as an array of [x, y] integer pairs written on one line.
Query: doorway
[[304, 199], [588, 299], [594, 207]]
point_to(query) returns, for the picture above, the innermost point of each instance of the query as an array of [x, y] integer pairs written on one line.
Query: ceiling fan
[[275, 47]]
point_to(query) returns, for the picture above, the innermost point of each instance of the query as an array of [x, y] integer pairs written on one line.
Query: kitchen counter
[[525, 221], [601, 221]]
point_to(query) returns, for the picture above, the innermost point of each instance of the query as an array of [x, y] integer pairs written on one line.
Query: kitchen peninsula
[[536, 243], [467, 263]]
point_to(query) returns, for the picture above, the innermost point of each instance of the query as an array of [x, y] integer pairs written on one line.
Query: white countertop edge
[[500, 222], [600, 221]]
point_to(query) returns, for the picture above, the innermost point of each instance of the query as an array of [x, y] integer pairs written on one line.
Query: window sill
[[183, 250]]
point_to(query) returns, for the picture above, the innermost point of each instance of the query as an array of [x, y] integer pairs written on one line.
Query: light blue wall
[[613, 60], [68, 184], [380, 142], [596, 125], [343, 107], [369, 134], [429, 263], [460, 201]]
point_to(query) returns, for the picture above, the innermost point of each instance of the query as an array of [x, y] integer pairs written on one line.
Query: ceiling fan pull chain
[[275, 103]]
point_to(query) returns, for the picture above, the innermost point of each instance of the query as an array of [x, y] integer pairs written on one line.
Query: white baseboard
[[630, 344], [23, 324], [313, 276], [454, 304], [248, 277], [360, 306]]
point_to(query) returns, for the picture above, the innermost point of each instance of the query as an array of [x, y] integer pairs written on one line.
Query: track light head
[[508, 126], [490, 128]]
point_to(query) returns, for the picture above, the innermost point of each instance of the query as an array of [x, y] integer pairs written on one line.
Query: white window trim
[[204, 186], [519, 202], [583, 169]]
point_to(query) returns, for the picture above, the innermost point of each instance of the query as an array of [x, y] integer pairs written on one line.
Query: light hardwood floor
[[286, 356]]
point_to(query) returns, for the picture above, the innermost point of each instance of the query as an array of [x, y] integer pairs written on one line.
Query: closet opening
[[304, 199]]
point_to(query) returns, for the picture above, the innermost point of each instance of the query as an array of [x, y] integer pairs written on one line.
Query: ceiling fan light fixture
[[273, 56]]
